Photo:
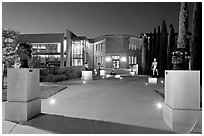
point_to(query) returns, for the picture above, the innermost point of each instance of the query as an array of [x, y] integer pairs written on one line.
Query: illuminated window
[[129, 60], [135, 60], [115, 57], [132, 60], [77, 52]]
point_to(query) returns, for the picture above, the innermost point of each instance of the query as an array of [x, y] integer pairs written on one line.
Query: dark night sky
[[90, 19]]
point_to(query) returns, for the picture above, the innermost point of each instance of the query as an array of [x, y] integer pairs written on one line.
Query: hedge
[[60, 74]]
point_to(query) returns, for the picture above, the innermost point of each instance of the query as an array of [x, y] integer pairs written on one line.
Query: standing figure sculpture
[[24, 53], [154, 67]]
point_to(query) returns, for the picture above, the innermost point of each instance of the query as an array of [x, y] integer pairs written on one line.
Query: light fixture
[[123, 59], [108, 59], [121, 78], [159, 105], [162, 81], [146, 83], [84, 82], [52, 101]]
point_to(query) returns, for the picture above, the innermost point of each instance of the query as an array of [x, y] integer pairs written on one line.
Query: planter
[[86, 75], [102, 72], [182, 99], [23, 93]]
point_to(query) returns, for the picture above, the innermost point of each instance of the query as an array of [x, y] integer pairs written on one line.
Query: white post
[[23, 91], [182, 99]]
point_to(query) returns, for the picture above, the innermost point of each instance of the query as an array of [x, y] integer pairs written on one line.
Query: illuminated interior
[[78, 52]]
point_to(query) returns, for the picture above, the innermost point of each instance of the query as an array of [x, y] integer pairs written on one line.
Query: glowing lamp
[[52, 101], [123, 59], [108, 59], [159, 105]]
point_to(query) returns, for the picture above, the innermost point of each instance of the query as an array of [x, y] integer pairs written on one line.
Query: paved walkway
[[99, 106]]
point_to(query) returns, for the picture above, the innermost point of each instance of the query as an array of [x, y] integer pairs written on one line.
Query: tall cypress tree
[[158, 43], [196, 45], [183, 26], [163, 49], [170, 47], [149, 54], [144, 55], [154, 38]]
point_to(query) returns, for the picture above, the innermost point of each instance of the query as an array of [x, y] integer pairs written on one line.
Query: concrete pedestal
[[182, 99], [152, 80], [23, 84], [181, 120], [23, 92], [102, 72], [132, 73], [86, 75], [22, 111]]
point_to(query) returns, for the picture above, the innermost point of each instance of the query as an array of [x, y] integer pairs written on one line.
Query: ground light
[[52, 101], [146, 83], [84, 82], [162, 81], [103, 77], [159, 105], [121, 78]]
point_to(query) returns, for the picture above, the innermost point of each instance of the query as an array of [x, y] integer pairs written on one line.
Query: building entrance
[[116, 64], [116, 61]]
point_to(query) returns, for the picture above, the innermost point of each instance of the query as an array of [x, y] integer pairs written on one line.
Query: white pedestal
[[102, 72], [182, 99], [23, 92], [182, 121], [182, 89], [22, 111], [152, 80], [117, 76], [132, 73], [86, 75], [23, 84]]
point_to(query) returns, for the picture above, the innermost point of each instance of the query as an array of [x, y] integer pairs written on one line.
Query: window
[[129, 60], [129, 46], [101, 59], [132, 60], [115, 57], [135, 60], [101, 47], [135, 47]]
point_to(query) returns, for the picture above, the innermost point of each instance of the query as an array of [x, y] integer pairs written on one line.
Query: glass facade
[[47, 54], [78, 52]]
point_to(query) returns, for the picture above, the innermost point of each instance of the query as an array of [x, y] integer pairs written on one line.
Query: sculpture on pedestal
[[24, 52], [154, 67]]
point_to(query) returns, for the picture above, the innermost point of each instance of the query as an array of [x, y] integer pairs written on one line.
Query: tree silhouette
[[170, 47], [163, 49]]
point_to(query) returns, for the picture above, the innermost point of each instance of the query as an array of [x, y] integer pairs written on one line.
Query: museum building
[[67, 49]]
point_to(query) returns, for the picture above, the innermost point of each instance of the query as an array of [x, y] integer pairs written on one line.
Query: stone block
[[22, 111], [182, 89], [23, 84], [87, 75], [182, 121], [152, 80], [102, 72]]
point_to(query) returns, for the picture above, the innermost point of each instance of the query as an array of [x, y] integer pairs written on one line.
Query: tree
[[163, 49], [179, 58], [170, 47], [183, 26], [149, 54], [196, 45], [158, 43], [9, 44], [144, 55], [154, 43]]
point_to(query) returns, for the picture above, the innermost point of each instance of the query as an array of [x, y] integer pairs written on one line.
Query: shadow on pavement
[[70, 125]]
